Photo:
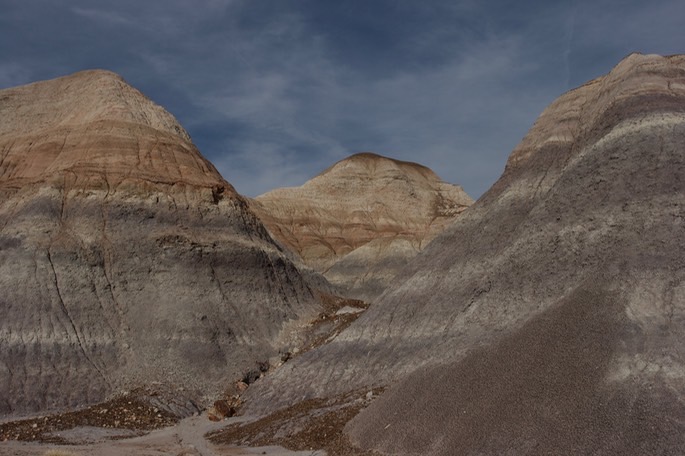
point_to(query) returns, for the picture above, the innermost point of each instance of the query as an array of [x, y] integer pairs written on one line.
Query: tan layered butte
[[94, 123], [361, 220]]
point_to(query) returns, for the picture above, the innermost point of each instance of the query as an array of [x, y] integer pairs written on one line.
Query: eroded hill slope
[[125, 258], [549, 318]]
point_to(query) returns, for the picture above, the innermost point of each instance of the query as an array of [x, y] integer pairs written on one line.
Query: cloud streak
[[274, 92], [106, 17]]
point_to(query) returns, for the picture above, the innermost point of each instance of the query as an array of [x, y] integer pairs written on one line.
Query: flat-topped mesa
[[125, 258], [362, 219], [548, 318], [97, 129]]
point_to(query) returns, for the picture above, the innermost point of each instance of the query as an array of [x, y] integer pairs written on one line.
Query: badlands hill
[[125, 258], [549, 318], [360, 221]]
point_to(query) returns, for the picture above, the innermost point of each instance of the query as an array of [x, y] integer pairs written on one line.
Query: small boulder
[[223, 408], [213, 414]]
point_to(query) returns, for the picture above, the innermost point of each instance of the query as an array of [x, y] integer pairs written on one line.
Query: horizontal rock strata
[[125, 258], [361, 221]]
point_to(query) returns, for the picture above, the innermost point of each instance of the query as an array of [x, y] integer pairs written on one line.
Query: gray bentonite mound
[[550, 317], [125, 258]]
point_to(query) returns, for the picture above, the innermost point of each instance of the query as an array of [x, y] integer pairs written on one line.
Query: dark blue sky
[[274, 91]]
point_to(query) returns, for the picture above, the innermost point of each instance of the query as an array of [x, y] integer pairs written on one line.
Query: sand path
[[184, 439]]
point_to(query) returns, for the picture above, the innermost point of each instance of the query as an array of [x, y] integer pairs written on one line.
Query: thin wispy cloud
[[105, 17], [274, 92]]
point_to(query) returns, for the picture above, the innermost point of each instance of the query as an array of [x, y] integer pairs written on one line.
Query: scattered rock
[[214, 415], [227, 407]]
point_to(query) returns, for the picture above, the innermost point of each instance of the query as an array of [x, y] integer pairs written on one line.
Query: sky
[[275, 91]]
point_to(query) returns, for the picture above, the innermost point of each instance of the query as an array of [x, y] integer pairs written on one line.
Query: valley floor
[[183, 439]]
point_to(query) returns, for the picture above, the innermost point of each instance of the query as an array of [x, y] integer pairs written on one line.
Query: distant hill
[[360, 221]]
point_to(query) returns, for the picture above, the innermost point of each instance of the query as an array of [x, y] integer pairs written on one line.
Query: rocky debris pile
[[132, 412], [338, 313], [311, 424]]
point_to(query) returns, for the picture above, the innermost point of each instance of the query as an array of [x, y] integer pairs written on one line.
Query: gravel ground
[[185, 438], [308, 425]]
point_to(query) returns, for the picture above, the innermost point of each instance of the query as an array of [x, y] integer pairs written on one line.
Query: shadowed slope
[[545, 389]]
